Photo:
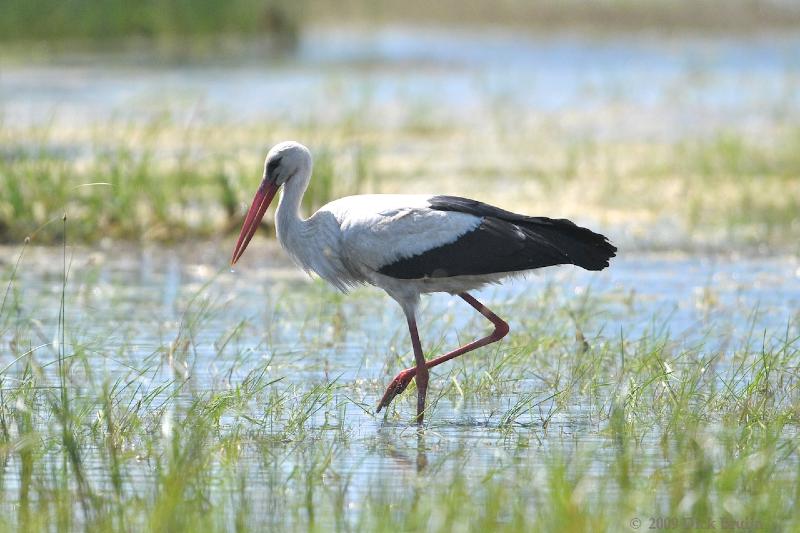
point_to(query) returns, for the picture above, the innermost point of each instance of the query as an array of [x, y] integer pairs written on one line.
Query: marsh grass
[[155, 182], [148, 183], [567, 426]]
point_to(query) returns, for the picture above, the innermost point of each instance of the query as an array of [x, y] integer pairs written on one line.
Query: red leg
[[421, 370], [401, 381]]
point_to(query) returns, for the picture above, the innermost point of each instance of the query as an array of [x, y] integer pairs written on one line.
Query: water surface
[[131, 309], [614, 86]]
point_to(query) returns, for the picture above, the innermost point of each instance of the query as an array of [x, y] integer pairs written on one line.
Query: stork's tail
[[581, 246]]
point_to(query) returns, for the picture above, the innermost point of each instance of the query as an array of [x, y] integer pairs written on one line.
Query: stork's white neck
[[289, 225], [314, 242]]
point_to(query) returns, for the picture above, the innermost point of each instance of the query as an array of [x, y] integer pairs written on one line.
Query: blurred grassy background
[[37, 20], [110, 19], [162, 176]]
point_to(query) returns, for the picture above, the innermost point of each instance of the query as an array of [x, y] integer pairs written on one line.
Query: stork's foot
[[397, 386]]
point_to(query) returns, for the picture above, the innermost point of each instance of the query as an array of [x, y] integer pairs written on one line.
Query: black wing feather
[[505, 242]]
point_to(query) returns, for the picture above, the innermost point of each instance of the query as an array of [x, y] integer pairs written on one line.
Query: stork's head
[[286, 162]]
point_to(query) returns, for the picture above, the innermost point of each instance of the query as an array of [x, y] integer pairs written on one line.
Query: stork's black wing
[[504, 242]]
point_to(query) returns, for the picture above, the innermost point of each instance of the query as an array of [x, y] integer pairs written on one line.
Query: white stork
[[413, 244]]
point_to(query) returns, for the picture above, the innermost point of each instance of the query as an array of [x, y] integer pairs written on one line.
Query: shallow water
[[616, 86], [129, 307], [145, 293]]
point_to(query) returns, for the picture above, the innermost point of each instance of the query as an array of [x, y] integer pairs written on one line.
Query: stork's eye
[[272, 166]]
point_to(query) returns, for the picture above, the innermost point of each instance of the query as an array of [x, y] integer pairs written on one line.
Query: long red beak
[[264, 195]]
